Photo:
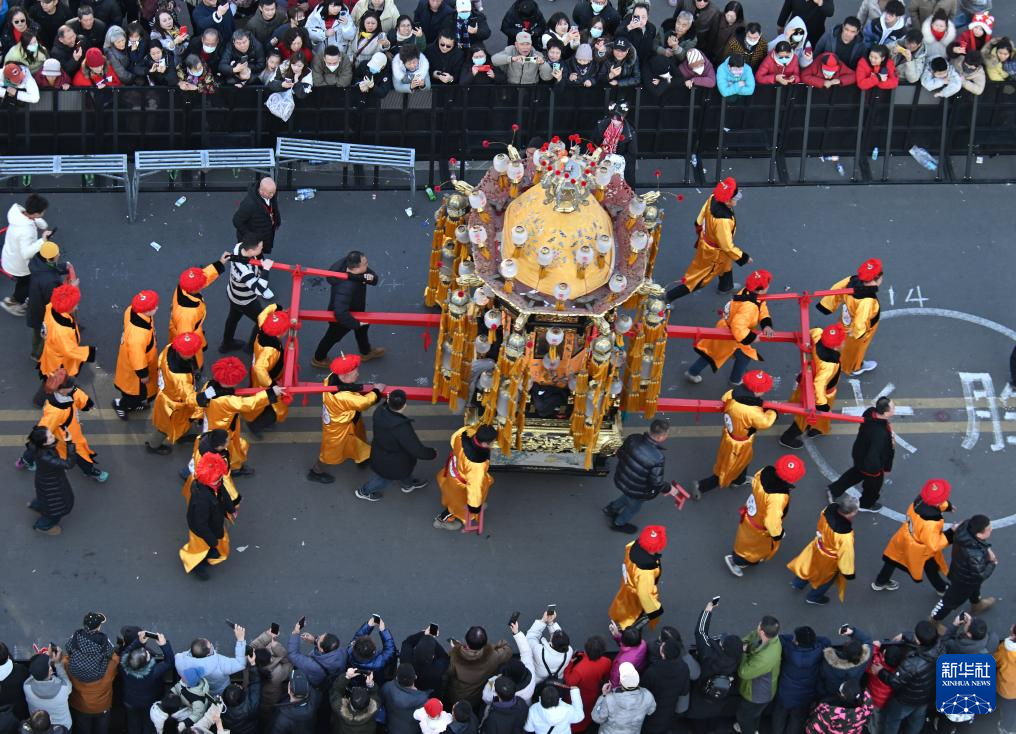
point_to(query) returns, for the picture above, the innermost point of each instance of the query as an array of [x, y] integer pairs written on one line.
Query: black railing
[[689, 135]]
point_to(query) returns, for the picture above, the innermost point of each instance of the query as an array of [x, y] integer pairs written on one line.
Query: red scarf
[[939, 35], [612, 136]]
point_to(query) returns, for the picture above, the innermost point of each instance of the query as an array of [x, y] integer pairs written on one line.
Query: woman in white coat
[[26, 231], [330, 24]]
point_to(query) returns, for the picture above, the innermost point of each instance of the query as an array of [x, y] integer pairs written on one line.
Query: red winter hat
[[14, 73], [187, 344], [94, 57], [936, 491], [653, 538], [725, 190], [345, 364], [985, 21], [276, 323], [211, 468], [789, 468], [144, 301], [759, 280], [65, 298], [831, 63], [229, 371], [833, 336], [433, 707], [870, 270], [758, 381], [192, 280]]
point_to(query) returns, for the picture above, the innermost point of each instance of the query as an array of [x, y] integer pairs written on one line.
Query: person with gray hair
[[243, 60], [829, 557]]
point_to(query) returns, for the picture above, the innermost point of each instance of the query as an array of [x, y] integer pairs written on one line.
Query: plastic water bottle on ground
[[840, 169], [923, 157], [180, 202], [874, 154], [304, 194], [694, 160]]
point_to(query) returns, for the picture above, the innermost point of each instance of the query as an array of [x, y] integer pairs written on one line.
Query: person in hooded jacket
[[847, 661], [48, 687], [243, 704], [734, 78], [910, 56], [524, 15], [731, 20], [797, 36], [588, 11], [667, 679], [551, 713], [273, 667], [54, 498], [550, 646], [888, 657], [429, 660], [846, 712], [827, 72], [142, 679], [813, 14], [887, 29], [507, 713], [470, 665], [795, 692], [401, 698], [373, 80], [938, 32], [779, 67], [354, 707], [658, 76], [917, 545], [92, 664], [719, 657]]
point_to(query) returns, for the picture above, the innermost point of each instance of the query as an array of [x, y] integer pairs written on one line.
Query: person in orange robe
[[919, 541], [207, 512], [746, 316], [829, 558], [187, 314], [761, 528], [638, 599], [217, 441], [825, 370], [465, 479], [137, 364], [860, 315], [176, 405], [268, 365], [63, 347]]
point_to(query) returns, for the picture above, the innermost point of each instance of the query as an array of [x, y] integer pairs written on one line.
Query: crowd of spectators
[[299, 682], [946, 46]]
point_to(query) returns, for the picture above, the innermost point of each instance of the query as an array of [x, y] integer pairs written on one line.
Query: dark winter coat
[[47, 23], [848, 53], [835, 671], [430, 661], [799, 672], [716, 656], [243, 719], [505, 717], [382, 84], [873, 449], [296, 717], [252, 217], [381, 659], [631, 76], [139, 689], [970, 565], [318, 666], [431, 22], [814, 16], [396, 447], [514, 22], [65, 55], [639, 471], [468, 671], [667, 680], [347, 720], [450, 62], [52, 488], [12, 692], [206, 513], [913, 683], [583, 16], [707, 19], [45, 277], [255, 58], [470, 726], [349, 294], [400, 703]]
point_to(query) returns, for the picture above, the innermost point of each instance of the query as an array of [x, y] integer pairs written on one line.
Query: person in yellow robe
[[746, 316], [137, 363], [217, 441], [638, 598], [207, 511], [715, 251], [343, 435], [187, 314], [761, 527], [743, 417], [60, 416], [63, 347], [829, 557], [465, 478], [825, 369], [860, 315], [919, 541], [176, 405], [224, 408], [268, 366]]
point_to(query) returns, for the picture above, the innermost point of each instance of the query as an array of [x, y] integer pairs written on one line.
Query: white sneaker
[[13, 308], [866, 366], [693, 379], [733, 567]]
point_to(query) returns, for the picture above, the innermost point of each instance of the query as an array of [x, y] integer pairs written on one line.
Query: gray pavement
[[313, 550]]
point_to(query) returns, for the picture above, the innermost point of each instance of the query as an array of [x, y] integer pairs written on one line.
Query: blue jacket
[[142, 688], [834, 670], [202, 18], [728, 85], [799, 672], [380, 661], [318, 665]]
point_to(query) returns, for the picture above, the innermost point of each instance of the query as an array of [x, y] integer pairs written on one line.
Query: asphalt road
[[306, 549]]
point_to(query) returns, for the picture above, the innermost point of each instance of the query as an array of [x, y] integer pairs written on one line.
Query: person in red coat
[[828, 71], [779, 67], [888, 656], [96, 72], [588, 671], [878, 70]]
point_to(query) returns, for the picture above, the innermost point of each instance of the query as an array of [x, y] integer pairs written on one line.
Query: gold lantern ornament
[[592, 388], [453, 357], [509, 269], [504, 406], [647, 350]]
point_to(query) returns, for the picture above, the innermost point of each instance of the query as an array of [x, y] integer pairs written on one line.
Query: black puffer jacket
[[913, 683], [970, 564], [296, 717], [667, 680], [46, 276], [243, 719], [873, 449], [349, 294], [396, 447], [52, 487], [639, 472]]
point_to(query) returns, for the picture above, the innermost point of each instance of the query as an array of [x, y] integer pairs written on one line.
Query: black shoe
[[741, 481], [184, 473], [813, 432], [820, 602], [120, 412], [791, 443], [320, 477], [161, 450], [233, 345], [255, 431], [200, 572], [609, 512], [243, 471], [627, 528], [874, 508]]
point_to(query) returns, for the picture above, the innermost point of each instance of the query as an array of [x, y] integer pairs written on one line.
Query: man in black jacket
[[973, 561], [394, 451], [241, 63], [47, 272], [667, 678], [12, 679], [844, 41], [258, 214], [913, 682], [67, 50], [507, 713], [431, 16], [401, 698], [296, 716], [639, 475], [243, 704], [872, 455], [348, 294]]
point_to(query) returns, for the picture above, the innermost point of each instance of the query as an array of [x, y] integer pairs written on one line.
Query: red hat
[[936, 491], [433, 707], [833, 336], [211, 468], [758, 381], [789, 468], [229, 371], [94, 57], [187, 344], [14, 73], [759, 280], [345, 364], [65, 298], [653, 538], [276, 323], [144, 301], [831, 63], [985, 21], [725, 190], [870, 270], [192, 280]]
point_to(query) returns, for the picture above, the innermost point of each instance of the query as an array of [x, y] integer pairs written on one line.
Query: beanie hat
[[345, 364], [49, 250], [276, 323], [935, 492], [485, 434], [14, 73], [653, 538], [299, 684], [144, 301], [629, 677], [211, 468], [94, 57], [584, 52], [725, 190], [463, 6], [789, 468], [377, 62], [830, 63], [38, 666], [192, 280], [870, 270], [229, 371], [758, 381], [433, 707], [833, 336], [695, 57], [759, 280], [985, 21], [187, 344], [192, 676], [51, 67], [65, 298]]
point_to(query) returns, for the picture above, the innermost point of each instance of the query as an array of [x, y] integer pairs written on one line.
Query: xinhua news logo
[[965, 686]]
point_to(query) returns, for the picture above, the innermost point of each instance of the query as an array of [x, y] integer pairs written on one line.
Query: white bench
[[113, 166], [151, 162]]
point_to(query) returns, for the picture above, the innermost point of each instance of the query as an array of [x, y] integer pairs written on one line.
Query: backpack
[[554, 679], [718, 687]]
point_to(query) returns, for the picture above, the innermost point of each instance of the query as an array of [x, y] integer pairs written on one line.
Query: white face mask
[[595, 32], [828, 74], [332, 67], [33, 47], [479, 60], [597, 7], [372, 69], [207, 49]]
